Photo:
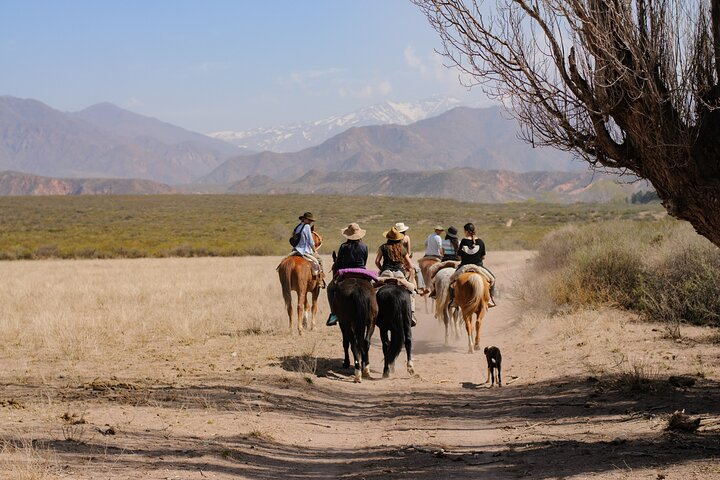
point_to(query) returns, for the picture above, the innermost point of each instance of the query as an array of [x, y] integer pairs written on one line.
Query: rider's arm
[[408, 263], [378, 259]]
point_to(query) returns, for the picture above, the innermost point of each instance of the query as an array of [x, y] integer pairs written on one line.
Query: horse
[[472, 294], [443, 311], [356, 307], [394, 318], [296, 275], [425, 263]]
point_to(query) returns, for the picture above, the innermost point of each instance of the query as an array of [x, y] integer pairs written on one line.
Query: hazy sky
[[215, 65]]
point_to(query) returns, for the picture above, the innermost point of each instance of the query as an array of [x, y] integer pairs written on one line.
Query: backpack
[[295, 239]]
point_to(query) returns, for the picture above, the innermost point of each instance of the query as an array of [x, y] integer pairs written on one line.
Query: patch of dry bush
[[666, 271]]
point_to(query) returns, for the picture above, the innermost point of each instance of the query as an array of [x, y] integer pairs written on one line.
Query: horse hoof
[[358, 377], [346, 365], [386, 374]]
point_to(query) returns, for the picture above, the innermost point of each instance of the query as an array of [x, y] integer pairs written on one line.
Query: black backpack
[[295, 239]]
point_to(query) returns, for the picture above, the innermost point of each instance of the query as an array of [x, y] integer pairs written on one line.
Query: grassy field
[[237, 225]]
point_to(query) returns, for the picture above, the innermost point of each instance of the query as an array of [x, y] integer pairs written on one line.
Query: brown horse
[[296, 275], [472, 294], [425, 263]]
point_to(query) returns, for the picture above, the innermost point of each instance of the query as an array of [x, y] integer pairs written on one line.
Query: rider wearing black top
[[351, 254], [471, 251]]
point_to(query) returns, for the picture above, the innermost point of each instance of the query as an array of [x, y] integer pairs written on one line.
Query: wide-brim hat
[[401, 227], [393, 234], [452, 232], [440, 228], [353, 232], [307, 215]]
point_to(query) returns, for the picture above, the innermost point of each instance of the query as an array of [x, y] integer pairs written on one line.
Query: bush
[[667, 272]]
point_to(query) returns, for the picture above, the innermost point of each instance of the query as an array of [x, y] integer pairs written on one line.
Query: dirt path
[[300, 416]]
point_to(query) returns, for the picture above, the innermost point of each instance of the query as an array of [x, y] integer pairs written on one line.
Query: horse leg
[[365, 351], [385, 346], [346, 347], [302, 297], [314, 309], [478, 323], [356, 358], [408, 348], [468, 329], [446, 320]]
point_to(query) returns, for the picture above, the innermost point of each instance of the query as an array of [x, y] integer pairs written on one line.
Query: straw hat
[[401, 227], [393, 234], [452, 232], [307, 215], [439, 228], [353, 232]]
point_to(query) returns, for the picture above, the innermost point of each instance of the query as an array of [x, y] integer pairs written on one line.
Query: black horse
[[356, 308], [394, 318]]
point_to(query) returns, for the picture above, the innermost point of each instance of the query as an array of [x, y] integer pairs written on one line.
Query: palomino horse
[[443, 311], [394, 317], [355, 305], [472, 294], [296, 275]]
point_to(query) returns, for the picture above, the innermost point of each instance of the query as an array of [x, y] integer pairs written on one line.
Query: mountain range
[[102, 141], [481, 138], [296, 137], [466, 184]]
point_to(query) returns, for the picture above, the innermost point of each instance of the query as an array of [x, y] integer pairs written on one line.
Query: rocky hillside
[[464, 184], [14, 183]]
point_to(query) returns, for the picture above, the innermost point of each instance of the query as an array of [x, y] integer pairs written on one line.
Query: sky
[[222, 65]]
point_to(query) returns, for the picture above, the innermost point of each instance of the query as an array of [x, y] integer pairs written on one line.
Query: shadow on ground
[[580, 401]]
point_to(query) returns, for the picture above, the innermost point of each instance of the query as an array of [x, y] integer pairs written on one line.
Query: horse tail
[[395, 313], [285, 274], [441, 295], [477, 283]]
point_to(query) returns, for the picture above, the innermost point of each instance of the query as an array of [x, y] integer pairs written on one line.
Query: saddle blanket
[[475, 269], [357, 273]]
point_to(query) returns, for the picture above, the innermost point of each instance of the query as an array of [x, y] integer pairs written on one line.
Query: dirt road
[[291, 411]]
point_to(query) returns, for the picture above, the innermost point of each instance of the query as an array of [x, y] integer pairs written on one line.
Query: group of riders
[[394, 257]]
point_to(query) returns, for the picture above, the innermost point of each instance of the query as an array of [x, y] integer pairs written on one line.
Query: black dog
[[494, 361]]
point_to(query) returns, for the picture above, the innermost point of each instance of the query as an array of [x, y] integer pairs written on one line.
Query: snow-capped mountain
[[296, 137]]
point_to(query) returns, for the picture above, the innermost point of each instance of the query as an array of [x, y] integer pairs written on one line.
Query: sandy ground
[[586, 395]]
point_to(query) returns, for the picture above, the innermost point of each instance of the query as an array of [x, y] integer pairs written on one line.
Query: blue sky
[[215, 65]]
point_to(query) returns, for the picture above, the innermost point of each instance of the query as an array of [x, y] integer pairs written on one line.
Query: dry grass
[[112, 313], [26, 461]]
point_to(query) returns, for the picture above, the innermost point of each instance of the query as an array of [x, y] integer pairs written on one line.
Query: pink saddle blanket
[[357, 273]]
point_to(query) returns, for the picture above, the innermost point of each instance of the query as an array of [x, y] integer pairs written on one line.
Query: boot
[[332, 320], [492, 303]]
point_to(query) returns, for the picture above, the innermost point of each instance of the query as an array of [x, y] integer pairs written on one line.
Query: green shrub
[[665, 271]]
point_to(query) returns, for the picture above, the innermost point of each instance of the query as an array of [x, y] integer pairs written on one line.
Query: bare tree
[[629, 85]]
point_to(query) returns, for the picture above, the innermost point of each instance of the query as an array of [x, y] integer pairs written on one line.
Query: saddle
[[439, 266], [387, 280]]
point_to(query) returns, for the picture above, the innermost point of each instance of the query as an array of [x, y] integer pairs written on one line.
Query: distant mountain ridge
[[16, 183], [296, 137], [102, 141], [462, 137], [466, 184]]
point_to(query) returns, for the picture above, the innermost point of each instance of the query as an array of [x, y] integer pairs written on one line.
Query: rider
[[391, 259], [305, 246], [353, 253], [472, 252], [402, 228], [450, 245], [433, 244]]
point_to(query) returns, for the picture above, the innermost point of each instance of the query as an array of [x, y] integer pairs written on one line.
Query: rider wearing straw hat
[[402, 228], [353, 253], [391, 259]]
